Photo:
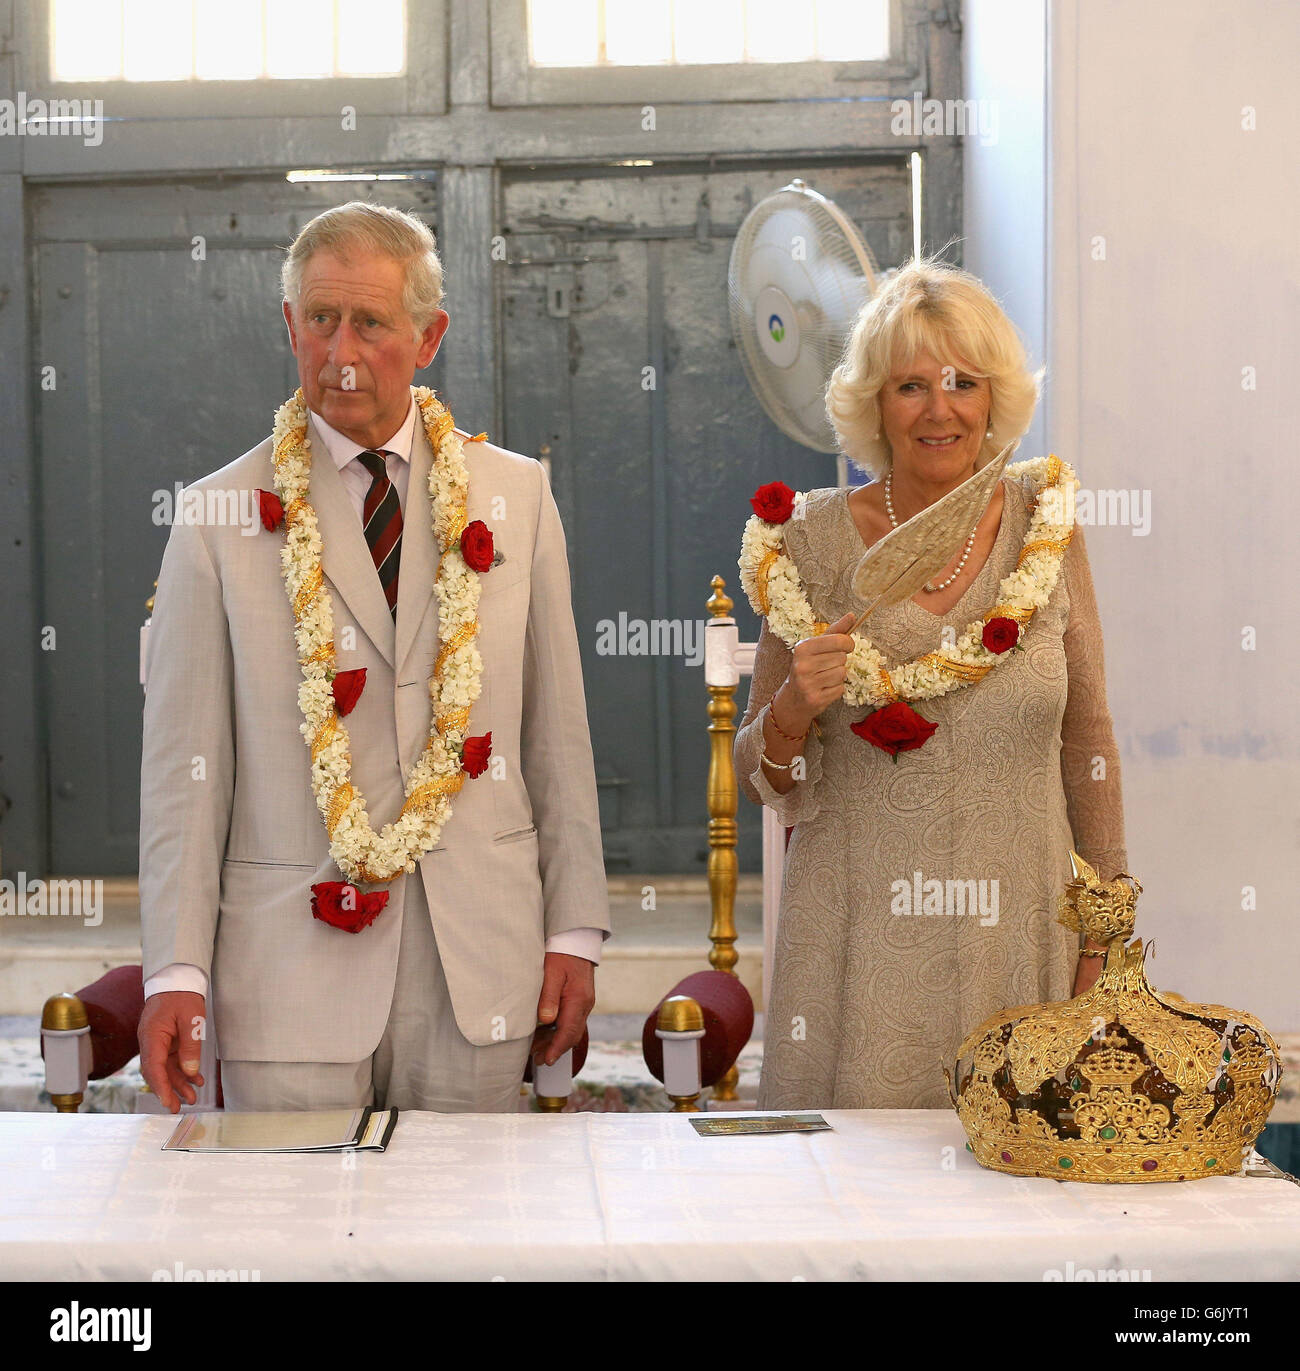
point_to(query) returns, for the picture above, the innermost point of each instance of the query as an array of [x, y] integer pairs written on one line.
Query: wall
[[1004, 176], [1171, 269]]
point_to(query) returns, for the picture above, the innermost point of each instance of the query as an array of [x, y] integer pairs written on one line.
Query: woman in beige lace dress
[[871, 993]]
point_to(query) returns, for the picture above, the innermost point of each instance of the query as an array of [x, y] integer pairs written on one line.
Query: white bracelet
[[777, 766]]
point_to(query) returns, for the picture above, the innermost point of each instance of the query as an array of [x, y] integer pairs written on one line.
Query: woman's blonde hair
[[928, 305], [360, 226]]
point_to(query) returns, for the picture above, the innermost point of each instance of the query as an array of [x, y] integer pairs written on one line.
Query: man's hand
[[171, 1038], [568, 993]]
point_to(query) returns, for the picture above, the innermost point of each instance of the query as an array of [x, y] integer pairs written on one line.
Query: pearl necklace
[[970, 542]]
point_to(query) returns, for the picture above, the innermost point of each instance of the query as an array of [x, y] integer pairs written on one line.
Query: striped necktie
[[382, 517]]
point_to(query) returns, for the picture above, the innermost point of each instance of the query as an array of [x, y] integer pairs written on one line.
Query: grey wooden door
[[168, 360], [620, 370]]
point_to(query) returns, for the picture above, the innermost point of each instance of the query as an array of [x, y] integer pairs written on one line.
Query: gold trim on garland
[[453, 718]]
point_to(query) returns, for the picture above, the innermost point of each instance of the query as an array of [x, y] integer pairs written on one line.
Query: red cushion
[[728, 1022], [114, 1004]]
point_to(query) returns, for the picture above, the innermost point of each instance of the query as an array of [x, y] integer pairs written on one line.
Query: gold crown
[[1120, 1083]]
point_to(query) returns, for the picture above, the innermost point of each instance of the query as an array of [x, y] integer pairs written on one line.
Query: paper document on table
[[732, 1126], [330, 1130]]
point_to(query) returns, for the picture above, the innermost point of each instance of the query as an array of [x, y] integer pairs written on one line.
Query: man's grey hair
[[360, 226]]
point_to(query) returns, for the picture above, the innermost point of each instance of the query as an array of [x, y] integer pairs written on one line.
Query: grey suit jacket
[[230, 837]]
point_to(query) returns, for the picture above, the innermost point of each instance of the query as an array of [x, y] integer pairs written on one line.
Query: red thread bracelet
[[790, 737]]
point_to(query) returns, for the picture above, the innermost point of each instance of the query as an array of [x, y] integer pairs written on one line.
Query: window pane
[[563, 32], [299, 38], [778, 31], [710, 32], [228, 39], [651, 32], [158, 40], [852, 30], [638, 32], [372, 40], [86, 40]]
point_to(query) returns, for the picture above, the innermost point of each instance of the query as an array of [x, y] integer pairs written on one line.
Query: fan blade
[[896, 567]]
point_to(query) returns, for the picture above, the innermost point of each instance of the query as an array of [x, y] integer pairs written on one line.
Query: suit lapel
[[419, 557], [345, 555]]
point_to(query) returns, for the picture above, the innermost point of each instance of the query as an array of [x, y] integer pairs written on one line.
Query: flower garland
[[360, 852], [771, 581]]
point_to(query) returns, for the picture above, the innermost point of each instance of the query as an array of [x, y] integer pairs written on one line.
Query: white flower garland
[[771, 581], [360, 852]]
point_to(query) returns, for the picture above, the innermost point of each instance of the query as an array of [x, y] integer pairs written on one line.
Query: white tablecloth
[[889, 1194]]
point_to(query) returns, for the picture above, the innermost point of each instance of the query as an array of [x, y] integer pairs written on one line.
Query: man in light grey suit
[[490, 945]]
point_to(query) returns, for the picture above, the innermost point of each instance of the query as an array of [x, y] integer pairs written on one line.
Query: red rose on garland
[[773, 502], [270, 508], [476, 546], [895, 728], [344, 906], [1000, 634], [474, 756], [347, 687]]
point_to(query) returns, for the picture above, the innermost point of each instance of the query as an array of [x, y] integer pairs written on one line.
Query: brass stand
[[64, 1014], [680, 1019], [722, 827]]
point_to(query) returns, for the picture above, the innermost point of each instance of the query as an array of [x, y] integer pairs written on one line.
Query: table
[[889, 1194]]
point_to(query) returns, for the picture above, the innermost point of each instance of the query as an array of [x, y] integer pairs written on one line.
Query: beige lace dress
[[870, 993]]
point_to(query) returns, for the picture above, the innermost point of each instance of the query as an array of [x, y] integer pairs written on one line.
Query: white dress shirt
[[577, 942]]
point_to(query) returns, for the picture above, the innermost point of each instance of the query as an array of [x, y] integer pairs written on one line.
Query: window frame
[[516, 82], [420, 89]]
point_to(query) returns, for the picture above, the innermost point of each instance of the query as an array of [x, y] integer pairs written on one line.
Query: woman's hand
[[1085, 976], [815, 679], [817, 672]]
